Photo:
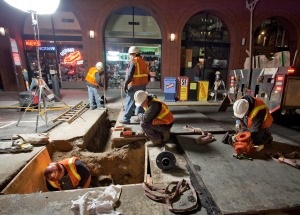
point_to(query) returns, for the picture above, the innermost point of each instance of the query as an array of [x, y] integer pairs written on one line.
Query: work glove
[[238, 127], [126, 88]]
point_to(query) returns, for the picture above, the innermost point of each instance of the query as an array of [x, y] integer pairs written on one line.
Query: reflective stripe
[[71, 164], [52, 183], [166, 111], [257, 109]]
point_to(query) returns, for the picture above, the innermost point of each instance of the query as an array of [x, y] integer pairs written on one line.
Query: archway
[[205, 48], [127, 27]]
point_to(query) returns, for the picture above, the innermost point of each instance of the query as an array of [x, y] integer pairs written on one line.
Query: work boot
[[166, 136], [124, 122], [226, 138], [157, 142]]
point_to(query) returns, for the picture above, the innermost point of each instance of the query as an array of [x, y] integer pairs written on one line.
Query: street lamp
[[35, 7], [250, 7]]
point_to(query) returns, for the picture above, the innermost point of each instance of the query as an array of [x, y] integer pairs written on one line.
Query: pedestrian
[[198, 69], [70, 173], [253, 115], [93, 79], [137, 78], [157, 120]]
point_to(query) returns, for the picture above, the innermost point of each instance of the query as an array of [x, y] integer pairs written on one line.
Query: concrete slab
[[241, 186], [13, 163]]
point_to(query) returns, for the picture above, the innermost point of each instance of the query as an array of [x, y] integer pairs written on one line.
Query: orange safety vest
[[164, 117], [69, 165], [140, 76], [91, 76], [260, 105]]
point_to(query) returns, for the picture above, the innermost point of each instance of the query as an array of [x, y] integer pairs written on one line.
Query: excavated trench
[[108, 165]]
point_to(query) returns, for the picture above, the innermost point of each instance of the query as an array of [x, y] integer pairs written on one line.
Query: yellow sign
[[193, 86], [203, 90]]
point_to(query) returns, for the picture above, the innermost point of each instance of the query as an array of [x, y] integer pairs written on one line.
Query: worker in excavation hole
[[156, 121], [70, 173]]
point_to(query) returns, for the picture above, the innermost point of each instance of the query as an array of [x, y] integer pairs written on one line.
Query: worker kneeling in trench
[[67, 174]]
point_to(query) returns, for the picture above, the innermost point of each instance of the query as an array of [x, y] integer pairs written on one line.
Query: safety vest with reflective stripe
[[260, 105], [69, 165], [140, 76], [91, 76], [164, 117]]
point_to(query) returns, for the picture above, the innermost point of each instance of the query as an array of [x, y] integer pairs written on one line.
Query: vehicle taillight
[[291, 70], [279, 78]]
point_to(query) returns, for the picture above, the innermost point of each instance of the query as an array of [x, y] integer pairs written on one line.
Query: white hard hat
[[240, 108], [139, 97], [133, 50], [99, 65]]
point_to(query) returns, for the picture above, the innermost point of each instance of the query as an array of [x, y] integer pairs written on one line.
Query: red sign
[[72, 57], [32, 43]]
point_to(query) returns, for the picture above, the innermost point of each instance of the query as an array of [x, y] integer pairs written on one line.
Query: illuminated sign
[[45, 48], [32, 43], [66, 51], [72, 57]]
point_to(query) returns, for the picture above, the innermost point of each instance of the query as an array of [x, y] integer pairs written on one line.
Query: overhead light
[[92, 34], [2, 31], [172, 37], [36, 6]]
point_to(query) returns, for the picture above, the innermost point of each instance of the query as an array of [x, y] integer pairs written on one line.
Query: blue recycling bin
[[170, 89]]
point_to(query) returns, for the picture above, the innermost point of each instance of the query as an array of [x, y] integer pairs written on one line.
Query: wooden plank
[[31, 178]]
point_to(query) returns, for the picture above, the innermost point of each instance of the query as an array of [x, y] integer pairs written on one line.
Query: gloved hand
[[126, 88], [238, 127]]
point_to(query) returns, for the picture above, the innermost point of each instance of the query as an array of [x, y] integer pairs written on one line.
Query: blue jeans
[[93, 96], [129, 102]]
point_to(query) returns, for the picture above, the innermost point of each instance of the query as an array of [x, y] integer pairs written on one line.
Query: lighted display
[[35, 6], [72, 57]]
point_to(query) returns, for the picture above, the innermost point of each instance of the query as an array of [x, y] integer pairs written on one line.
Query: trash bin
[[193, 91], [203, 90], [170, 89], [55, 87], [183, 88]]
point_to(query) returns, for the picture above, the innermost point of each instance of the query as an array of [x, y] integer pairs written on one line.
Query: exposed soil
[[123, 165]]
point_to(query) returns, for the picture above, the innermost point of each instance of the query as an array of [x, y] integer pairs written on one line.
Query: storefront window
[[127, 27], [59, 42], [205, 48], [270, 37]]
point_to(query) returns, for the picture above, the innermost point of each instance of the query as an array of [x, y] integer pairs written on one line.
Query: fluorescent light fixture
[[35, 6], [92, 34], [172, 37]]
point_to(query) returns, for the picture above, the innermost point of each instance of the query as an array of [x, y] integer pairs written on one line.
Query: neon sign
[[72, 57], [66, 51], [32, 43]]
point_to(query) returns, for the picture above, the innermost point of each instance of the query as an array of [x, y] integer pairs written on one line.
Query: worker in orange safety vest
[[157, 120], [70, 173], [137, 78]]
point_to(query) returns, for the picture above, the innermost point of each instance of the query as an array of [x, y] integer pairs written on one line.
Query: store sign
[[66, 51], [46, 48], [32, 43], [72, 57], [198, 34]]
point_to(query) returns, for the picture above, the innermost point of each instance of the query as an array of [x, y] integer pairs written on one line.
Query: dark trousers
[[154, 132]]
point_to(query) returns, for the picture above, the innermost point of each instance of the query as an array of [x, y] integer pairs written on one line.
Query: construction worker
[[137, 77], [156, 121], [93, 79], [67, 174], [253, 115]]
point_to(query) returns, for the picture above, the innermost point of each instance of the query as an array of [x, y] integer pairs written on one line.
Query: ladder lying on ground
[[72, 114]]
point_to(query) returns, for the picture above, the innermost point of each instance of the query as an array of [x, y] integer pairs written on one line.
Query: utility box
[[203, 90], [183, 88], [170, 89], [193, 91]]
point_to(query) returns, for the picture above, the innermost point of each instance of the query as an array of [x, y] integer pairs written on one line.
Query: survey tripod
[[41, 94]]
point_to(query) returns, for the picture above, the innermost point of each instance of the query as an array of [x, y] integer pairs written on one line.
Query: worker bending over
[[253, 116], [67, 174], [156, 121]]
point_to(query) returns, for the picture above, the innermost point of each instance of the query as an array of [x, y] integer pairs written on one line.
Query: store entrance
[[127, 27]]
